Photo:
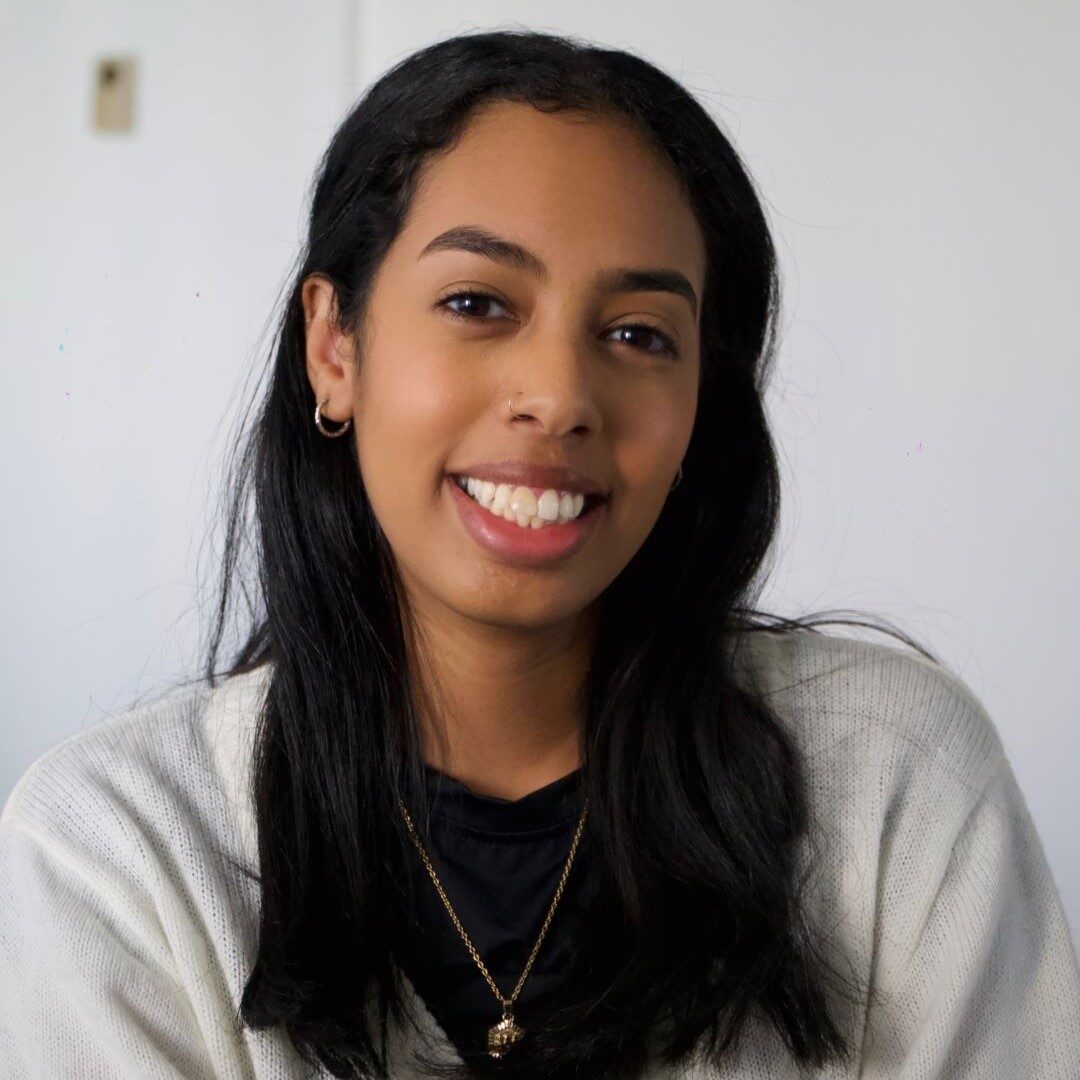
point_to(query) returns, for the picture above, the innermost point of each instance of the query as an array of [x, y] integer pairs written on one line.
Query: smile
[[525, 526], [529, 507]]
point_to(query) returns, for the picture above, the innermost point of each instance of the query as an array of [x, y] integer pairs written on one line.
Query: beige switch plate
[[114, 94]]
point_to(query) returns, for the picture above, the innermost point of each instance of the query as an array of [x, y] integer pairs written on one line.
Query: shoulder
[[116, 745], [873, 716], [128, 903], [172, 767], [906, 782]]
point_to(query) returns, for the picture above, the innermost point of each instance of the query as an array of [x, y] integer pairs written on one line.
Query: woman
[[508, 776]]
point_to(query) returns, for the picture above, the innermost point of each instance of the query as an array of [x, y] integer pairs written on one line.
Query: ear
[[331, 366]]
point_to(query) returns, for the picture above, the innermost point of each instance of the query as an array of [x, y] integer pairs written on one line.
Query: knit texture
[[128, 905]]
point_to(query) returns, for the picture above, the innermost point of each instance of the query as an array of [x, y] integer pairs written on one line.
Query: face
[[604, 368]]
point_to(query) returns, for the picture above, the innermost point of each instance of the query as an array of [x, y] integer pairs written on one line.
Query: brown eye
[[473, 304], [666, 345]]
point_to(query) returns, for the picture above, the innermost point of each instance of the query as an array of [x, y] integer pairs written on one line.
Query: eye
[[476, 300], [666, 348]]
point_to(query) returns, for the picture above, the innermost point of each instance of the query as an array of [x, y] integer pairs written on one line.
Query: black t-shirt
[[499, 862]]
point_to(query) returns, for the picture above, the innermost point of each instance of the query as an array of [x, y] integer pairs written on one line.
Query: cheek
[[652, 444], [411, 411], [647, 454], [412, 415]]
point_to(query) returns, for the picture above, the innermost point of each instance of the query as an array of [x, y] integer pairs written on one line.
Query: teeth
[[521, 505], [547, 506]]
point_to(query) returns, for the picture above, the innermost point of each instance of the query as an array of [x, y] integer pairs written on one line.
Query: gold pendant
[[503, 1035]]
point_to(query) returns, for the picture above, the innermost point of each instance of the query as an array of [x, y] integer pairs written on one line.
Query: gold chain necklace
[[506, 1032]]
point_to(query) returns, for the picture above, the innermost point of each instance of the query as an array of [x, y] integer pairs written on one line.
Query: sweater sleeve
[[89, 989], [975, 967]]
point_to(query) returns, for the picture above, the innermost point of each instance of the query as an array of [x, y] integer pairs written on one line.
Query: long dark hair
[[687, 937]]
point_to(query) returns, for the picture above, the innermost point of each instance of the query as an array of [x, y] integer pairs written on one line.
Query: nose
[[555, 395]]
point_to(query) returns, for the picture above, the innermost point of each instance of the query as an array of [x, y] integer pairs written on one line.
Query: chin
[[525, 607]]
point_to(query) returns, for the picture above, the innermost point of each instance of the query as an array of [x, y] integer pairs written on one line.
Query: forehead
[[577, 188]]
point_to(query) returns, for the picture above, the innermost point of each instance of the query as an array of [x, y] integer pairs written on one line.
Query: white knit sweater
[[126, 934]]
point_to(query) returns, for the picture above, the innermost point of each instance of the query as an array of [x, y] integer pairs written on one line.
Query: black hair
[[687, 939]]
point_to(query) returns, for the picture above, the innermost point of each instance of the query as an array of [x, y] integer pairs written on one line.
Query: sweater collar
[[232, 718]]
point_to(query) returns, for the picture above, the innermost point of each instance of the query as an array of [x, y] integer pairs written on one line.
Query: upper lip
[[533, 474]]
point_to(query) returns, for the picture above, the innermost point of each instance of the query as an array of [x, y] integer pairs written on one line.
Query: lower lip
[[523, 546]]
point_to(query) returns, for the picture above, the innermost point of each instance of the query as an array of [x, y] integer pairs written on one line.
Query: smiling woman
[[508, 776], [577, 252]]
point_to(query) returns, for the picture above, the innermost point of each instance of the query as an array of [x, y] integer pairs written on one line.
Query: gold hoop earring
[[345, 425]]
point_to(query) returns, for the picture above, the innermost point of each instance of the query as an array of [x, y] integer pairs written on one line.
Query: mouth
[[526, 541], [485, 495]]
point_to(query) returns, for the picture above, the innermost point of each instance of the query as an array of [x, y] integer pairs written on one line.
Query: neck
[[500, 708]]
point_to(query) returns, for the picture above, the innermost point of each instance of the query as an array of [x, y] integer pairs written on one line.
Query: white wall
[[919, 162], [136, 275]]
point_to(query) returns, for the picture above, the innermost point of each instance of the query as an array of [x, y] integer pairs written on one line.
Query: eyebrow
[[480, 241]]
